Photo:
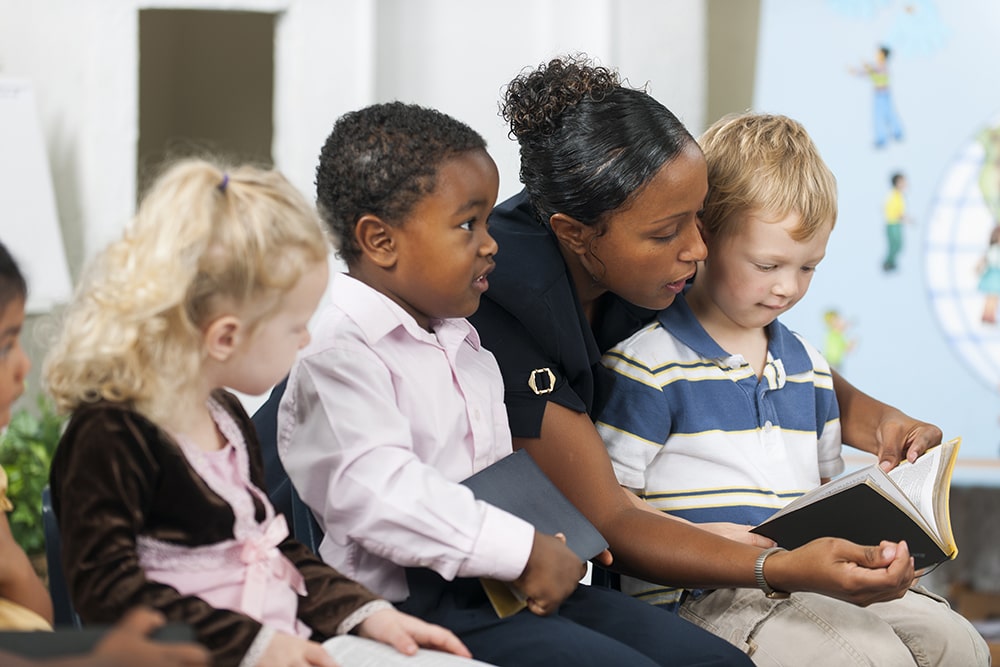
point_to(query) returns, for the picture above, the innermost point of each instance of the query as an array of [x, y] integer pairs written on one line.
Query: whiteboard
[[29, 225]]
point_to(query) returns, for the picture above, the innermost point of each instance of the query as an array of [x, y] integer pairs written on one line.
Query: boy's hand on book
[[840, 569], [901, 437], [551, 575]]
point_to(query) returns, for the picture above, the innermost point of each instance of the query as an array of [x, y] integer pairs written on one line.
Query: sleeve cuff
[[359, 615], [257, 647], [503, 546]]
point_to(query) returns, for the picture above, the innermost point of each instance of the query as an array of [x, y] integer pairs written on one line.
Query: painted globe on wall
[[962, 288]]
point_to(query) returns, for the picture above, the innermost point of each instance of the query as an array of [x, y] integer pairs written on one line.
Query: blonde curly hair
[[203, 240]]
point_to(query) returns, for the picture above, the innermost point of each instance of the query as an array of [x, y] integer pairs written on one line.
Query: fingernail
[[885, 466]]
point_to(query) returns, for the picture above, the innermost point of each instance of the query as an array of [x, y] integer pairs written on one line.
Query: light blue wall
[[945, 86]]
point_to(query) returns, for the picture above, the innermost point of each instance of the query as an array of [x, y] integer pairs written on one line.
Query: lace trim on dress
[[257, 648], [362, 613]]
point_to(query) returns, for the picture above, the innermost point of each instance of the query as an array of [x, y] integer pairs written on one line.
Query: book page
[[928, 482], [353, 651], [918, 480]]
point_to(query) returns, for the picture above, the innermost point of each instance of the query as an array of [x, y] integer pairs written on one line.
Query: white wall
[[331, 56]]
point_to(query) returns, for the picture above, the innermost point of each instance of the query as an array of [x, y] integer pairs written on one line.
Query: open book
[[352, 651], [867, 506], [516, 484]]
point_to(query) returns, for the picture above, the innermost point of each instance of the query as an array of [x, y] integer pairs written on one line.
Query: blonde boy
[[720, 415]]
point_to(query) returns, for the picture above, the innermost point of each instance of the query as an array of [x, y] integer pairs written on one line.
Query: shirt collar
[[377, 315], [685, 327]]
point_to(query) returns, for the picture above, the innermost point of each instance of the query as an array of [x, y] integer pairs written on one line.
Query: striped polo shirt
[[691, 429]]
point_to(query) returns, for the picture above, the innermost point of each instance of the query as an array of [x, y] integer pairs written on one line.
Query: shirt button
[[768, 425], [475, 414]]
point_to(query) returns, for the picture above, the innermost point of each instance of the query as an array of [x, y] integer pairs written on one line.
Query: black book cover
[[860, 514], [516, 484]]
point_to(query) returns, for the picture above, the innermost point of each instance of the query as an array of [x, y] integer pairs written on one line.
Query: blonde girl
[[157, 481]]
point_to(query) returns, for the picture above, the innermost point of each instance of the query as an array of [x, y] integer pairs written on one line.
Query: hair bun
[[535, 101]]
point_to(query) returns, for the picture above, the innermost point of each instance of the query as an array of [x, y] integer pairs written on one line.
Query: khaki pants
[[812, 630]]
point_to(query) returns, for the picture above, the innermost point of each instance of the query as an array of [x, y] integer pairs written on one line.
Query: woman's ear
[[572, 233], [222, 336], [377, 240]]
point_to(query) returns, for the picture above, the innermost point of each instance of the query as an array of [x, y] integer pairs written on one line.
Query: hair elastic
[[224, 183]]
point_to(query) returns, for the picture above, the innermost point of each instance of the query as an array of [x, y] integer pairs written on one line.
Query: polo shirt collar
[[685, 327]]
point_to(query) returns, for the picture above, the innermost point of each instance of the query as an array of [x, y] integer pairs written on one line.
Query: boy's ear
[[377, 240], [221, 337], [572, 233]]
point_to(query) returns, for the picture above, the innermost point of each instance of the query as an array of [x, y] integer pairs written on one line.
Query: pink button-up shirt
[[380, 421]]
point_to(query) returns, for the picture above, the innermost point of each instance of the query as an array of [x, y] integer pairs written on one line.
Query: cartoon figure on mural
[[837, 344], [989, 172], [895, 217], [886, 122], [989, 187], [989, 280]]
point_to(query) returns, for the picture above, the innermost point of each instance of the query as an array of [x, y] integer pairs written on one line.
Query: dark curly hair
[[588, 142], [12, 283], [380, 161]]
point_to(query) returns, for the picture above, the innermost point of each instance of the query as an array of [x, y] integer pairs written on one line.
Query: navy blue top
[[532, 321]]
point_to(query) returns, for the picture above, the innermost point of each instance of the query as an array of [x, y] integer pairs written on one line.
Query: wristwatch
[[758, 573]]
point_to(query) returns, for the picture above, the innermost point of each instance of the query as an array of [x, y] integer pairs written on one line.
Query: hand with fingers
[[551, 575]]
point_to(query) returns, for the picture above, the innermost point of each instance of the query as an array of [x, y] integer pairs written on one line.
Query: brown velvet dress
[[116, 475]]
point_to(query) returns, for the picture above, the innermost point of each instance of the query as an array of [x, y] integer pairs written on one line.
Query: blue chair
[[280, 490], [62, 605]]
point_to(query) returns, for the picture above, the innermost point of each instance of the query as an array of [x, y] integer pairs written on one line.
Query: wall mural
[[962, 253], [907, 301]]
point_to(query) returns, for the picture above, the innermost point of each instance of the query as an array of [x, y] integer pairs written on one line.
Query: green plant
[[25, 453]]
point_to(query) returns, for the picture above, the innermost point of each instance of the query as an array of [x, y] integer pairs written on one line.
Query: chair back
[[280, 490], [62, 606]]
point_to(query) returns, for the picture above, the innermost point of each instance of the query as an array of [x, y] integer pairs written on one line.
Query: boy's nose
[[489, 245], [786, 287]]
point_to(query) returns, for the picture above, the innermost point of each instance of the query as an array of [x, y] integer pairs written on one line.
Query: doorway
[[206, 87]]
